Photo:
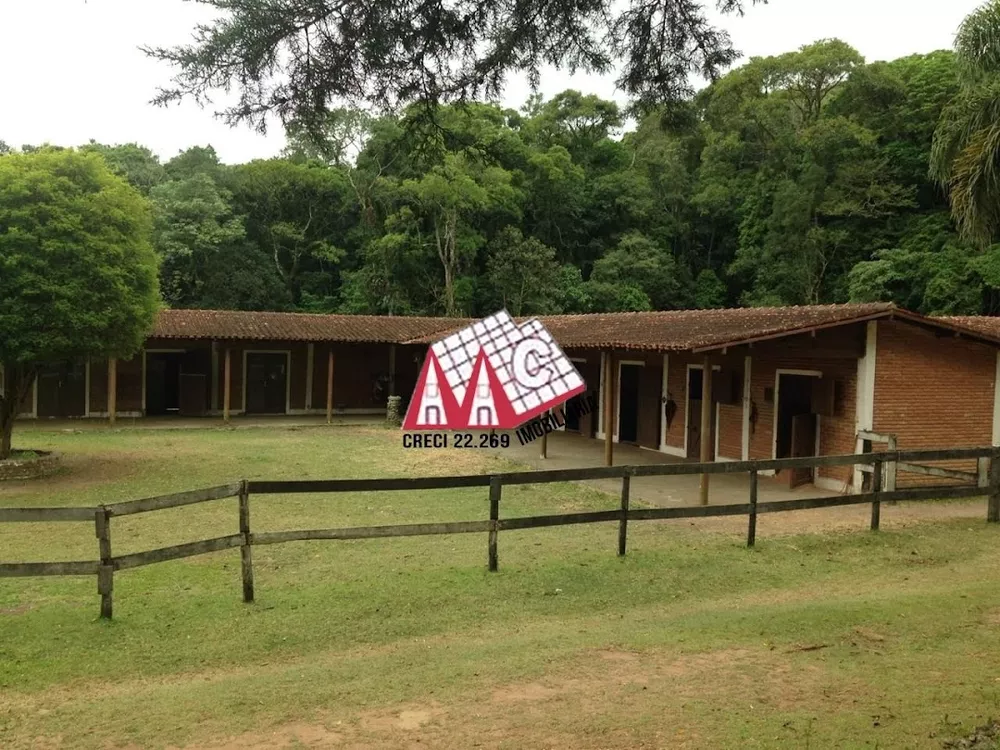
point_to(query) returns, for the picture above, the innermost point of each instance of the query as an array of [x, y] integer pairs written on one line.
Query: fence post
[[877, 490], [106, 573], [494, 521], [993, 507], [983, 471], [890, 469], [623, 523], [752, 527], [246, 557]]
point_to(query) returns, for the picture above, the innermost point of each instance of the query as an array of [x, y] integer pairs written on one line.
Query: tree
[[193, 223], [448, 198], [294, 59], [137, 164], [966, 154], [335, 140], [77, 269], [522, 273], [637, 274], [296, 214]]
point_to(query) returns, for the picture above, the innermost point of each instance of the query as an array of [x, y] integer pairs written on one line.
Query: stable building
[[791, 381]]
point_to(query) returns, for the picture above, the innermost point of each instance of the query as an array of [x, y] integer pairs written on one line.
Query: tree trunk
[[6, 428], [17, 379]]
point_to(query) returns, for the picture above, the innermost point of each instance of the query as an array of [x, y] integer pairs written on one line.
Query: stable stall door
[[628, 404], [267, 383]]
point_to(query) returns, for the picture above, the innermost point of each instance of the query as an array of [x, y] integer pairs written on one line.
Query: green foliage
[[135, 163], [77, 270], [295, 59], [966, 150], [522, 274], [793, 179], [637, 274]]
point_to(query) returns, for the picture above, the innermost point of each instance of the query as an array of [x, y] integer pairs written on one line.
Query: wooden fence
[[976, 484]]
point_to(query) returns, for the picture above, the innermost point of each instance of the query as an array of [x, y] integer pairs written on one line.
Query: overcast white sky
[[72, 70]]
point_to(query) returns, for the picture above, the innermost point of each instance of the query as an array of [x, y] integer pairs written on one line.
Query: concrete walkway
[[568, 451]]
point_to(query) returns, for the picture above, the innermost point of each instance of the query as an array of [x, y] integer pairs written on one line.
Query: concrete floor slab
[[569, 451]]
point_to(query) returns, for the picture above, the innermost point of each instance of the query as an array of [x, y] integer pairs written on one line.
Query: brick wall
[[933, 391]]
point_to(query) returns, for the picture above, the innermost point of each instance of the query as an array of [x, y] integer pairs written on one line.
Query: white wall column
[[865, 406]]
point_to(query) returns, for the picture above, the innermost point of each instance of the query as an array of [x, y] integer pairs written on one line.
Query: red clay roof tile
[[242, 325]]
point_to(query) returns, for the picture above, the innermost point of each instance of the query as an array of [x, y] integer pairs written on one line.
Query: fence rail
[[985, 481]]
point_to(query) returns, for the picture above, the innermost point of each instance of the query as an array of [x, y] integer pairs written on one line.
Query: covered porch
[[566, 450]]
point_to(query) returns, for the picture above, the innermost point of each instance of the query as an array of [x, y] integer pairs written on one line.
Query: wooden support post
[[752, 527], [543, 444], [329, 387], [112, 390], [877, 489], [993, 506], [983, 471], [246, 557], [706, 424], [494, 522], [106, 573], [609, 409], [392, 369], [623, 523], [227, 384], [889, 474]]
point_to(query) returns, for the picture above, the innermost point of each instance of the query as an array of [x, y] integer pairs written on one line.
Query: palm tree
[[965, 156]]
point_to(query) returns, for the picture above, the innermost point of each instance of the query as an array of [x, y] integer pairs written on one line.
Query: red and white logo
[[493, 374]]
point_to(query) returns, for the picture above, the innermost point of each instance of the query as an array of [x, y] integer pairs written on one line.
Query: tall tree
[[137, 164], [294, 59], [966, 153], [77, 269]]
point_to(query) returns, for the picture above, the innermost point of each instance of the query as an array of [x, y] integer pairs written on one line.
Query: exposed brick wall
[[731, 431], [933, 391], [677, 390]]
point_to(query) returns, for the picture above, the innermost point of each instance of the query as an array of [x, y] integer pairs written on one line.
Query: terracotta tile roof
[[985, 324], [681, 330], [674, 330], [235, 324]]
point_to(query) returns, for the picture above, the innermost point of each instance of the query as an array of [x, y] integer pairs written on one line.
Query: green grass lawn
[[854, 640]]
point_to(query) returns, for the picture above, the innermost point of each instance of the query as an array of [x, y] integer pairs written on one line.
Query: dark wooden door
[[62, 390], [650, 407], [803, 444], [267, 383], [49, 381], [628, 405]]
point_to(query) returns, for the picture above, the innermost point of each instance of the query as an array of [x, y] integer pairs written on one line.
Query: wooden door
[[628, 405], [266, 383], [803, 444], [49, 383]]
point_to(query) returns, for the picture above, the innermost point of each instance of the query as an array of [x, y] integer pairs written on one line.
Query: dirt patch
[[845, 518], [985, 737], [568, 710], [18, 610]]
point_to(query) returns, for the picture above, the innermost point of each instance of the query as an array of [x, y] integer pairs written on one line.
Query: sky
[[73, 70]]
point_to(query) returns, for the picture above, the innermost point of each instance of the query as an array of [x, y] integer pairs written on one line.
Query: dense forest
[[797, 179]]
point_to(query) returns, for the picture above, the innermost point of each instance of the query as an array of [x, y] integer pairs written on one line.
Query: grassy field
[[853, 640]]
